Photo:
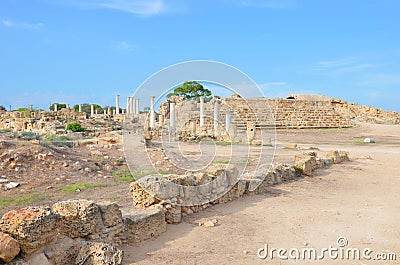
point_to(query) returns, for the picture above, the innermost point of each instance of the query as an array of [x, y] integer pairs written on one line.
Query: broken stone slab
[[9, 248], [79, 218], [291, 146], [32, 227], [12, 185], [145, 224], [369, 140], [338, 156], [334, 155], [3, 180]]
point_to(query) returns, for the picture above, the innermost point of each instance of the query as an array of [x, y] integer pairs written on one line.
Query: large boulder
[[79, 218], [9, 248], [32, 227]]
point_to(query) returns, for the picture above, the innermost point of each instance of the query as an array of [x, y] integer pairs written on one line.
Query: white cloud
[[124, 46], [274, 4], [21, 25], [144, 7], [342, 66], [282, 89], [136, 7]]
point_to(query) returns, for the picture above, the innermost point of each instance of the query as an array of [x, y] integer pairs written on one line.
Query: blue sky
[[76, 51]]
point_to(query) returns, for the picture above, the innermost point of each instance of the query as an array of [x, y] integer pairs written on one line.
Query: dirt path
[[359, 200]]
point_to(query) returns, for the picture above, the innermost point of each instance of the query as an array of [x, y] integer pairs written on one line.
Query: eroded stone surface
[[9, 247], [146, 224], [79, 218], [98, 254], [32, 227]]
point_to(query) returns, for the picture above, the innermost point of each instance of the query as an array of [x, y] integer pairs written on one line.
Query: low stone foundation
[[82, 232], [177, 199]]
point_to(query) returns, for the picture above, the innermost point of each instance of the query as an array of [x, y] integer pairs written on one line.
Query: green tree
[[191, 90], [75, 127], [86, 108], [2, 108], [59, 106]]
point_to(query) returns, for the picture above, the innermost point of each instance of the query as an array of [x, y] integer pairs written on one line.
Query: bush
[[75, 127]]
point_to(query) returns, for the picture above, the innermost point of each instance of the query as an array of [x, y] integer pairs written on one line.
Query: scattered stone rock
[[369, 140], [209, 223], [291, 146], [32, 227], [9, 248], [12, 185]]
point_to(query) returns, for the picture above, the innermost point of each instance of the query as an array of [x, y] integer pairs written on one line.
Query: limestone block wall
[[174, 198], [265, 113]]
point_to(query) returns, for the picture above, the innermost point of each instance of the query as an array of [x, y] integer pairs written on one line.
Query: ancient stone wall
[[365, 113], [156, 190]]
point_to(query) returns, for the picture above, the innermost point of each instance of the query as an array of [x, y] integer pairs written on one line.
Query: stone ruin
[[233, 118], [237, 119], [82, 232]]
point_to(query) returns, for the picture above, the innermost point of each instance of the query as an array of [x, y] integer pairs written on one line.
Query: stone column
[[31, 107], [104, 111], [216, 114], [152, 114], [228, 121], [161, 120], [80, 108], [132, 105], [55, 107], [67, 106], [172, 121], [109, 111], [128, 105], [117, 104], [201, 111], [137, 106], [91, 110]]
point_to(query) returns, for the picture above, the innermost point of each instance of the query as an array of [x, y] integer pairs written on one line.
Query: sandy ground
[[358, 200]]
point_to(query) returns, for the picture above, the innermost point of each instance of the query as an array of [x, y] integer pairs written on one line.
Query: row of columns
[[228, 116], [132, 105]]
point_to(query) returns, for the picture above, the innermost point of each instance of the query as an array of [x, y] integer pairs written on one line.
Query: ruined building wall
[[365, 113]]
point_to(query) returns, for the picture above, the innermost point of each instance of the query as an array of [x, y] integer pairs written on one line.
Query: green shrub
[[30, 135], [75, 127]]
